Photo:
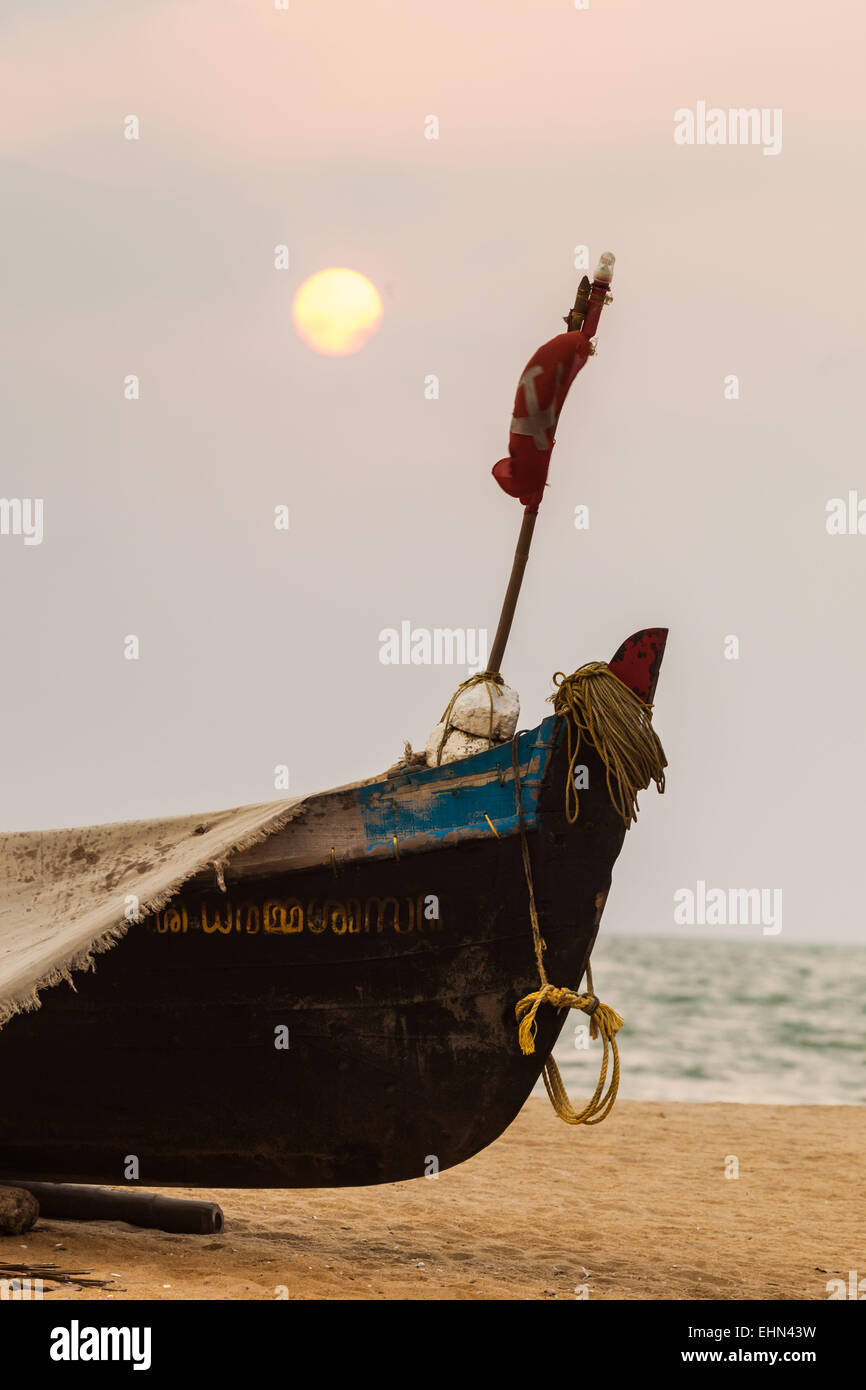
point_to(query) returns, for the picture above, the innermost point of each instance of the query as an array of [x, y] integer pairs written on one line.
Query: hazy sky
[[707, 515]]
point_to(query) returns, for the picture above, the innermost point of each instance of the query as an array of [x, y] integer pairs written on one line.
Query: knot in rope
[[603, 1020], [595, 702]]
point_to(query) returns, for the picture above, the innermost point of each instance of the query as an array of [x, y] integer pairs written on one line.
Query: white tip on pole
[[604, 269]]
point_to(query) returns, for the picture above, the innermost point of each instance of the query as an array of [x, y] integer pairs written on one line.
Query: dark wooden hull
[[402, 1043]]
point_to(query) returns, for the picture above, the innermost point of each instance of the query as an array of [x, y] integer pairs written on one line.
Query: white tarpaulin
[[66, 895]]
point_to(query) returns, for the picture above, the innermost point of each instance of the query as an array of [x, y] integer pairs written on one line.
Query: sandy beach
[[637, 1208]]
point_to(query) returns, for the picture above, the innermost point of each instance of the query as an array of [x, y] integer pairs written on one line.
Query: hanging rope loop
[[596, 703], [604, 1023]]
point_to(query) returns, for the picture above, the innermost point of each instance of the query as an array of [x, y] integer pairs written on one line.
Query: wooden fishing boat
[[326, 993], [339, 1008]]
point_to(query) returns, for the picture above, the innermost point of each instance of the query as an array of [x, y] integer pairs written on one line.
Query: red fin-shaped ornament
[[638, 661]]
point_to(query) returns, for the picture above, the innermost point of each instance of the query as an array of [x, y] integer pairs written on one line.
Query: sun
[[335, 311]]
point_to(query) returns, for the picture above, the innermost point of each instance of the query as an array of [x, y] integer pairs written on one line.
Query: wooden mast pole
[[509, 603], [588, 304]]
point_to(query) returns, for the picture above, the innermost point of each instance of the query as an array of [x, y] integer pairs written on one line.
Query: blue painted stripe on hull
[[457, 797]]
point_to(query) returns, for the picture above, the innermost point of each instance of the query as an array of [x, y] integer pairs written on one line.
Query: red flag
[[541, 392]]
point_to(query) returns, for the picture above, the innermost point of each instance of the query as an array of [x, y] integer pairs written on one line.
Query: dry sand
[[636, 1208]]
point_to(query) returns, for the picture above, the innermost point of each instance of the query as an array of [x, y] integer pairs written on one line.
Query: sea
[[709, 1020]]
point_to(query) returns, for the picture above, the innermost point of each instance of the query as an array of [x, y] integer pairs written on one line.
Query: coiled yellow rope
[[619, 725], [595, 702]]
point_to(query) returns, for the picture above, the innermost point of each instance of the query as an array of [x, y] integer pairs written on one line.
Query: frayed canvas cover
[[66, 895]]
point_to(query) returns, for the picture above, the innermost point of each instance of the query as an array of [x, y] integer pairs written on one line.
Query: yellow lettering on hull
[[289, 916]]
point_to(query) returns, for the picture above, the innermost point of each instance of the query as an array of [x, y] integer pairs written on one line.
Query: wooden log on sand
[[65, 1201]]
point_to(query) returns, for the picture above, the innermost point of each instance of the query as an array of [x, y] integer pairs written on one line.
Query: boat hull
[[341, 1026]]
